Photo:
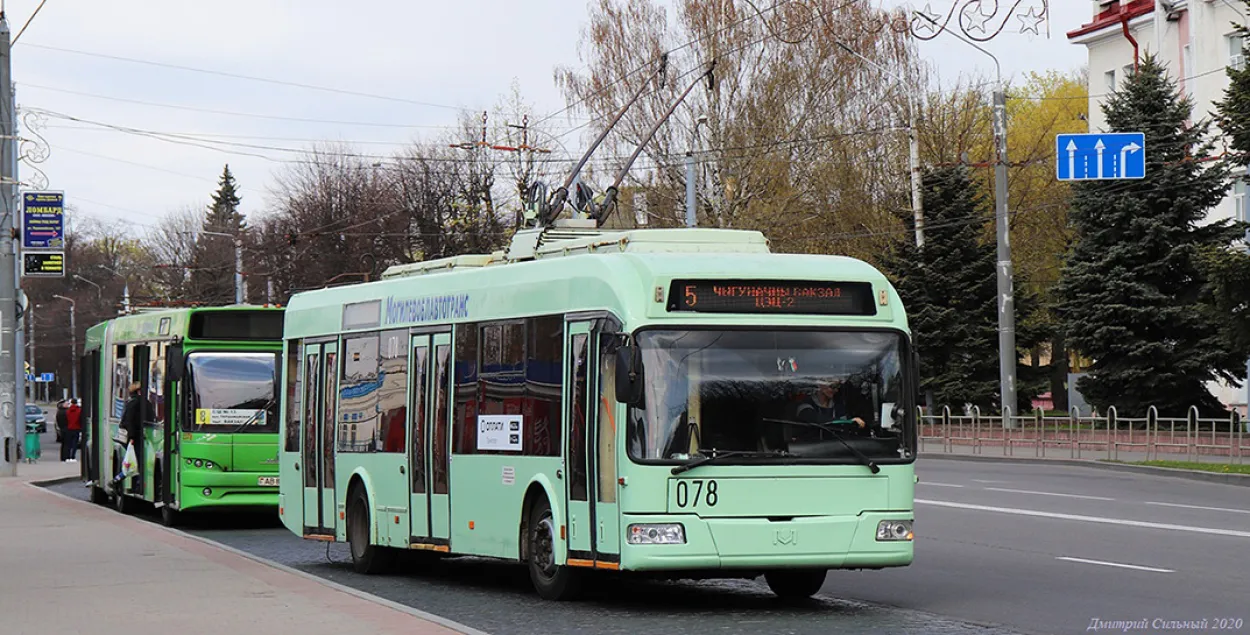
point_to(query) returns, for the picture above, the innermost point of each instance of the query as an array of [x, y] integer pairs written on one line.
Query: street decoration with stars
[[981, 20]]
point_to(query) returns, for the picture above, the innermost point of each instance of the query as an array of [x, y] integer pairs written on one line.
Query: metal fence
[[1077, 435]]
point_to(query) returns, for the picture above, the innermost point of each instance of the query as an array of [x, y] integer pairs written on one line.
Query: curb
[[418, 613], [1242, 480]]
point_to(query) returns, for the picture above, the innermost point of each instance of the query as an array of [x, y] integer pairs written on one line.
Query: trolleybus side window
[[327, 439], [312, 381], [502, 374], [419, 372], [358, 429], [577, 426], [607, 419], [544, 377], [156, 383], [464, 421], [392, 398], [441, 354], [294, 399], [121, 381]]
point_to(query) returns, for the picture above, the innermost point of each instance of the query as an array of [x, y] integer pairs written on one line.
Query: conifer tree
[[949, 289], [1135, 295], [212, 276]]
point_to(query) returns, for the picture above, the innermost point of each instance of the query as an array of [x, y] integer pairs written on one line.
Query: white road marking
[[1116, 564], [1088, 519], [1025, 491], [1214, 509], [939, 484], [977, 480]]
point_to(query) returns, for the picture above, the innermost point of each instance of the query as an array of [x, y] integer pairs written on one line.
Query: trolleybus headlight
[[894, 530], [208, 464], [208, 491], [199, 463], [657, 534]]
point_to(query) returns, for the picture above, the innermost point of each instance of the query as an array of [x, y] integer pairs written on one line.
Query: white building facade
[[1195, 40]]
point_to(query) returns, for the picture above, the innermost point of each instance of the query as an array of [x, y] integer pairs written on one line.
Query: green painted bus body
[[208, 469], [766, 516]]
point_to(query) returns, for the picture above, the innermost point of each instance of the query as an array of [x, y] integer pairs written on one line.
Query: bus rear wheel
[[795, 584], [552, 581], [366, 558]]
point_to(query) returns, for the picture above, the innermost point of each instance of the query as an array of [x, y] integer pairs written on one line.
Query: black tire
[[552, 581], [795, 584], [366, 558], [169, 515], [123, 503]]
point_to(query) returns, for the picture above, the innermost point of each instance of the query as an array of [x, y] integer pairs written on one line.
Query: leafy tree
[[1136, 294], [950, 291]]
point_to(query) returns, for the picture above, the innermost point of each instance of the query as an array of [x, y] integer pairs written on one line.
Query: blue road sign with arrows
[[1094, 157]]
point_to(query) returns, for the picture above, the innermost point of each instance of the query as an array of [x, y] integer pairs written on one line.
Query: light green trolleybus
[[207, 396], [680, 403]]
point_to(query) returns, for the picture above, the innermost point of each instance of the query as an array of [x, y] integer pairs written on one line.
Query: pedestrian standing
[[62, 426], [73, 428]]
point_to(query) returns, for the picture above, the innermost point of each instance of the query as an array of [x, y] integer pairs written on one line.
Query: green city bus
[[208, 397], [607, 400]]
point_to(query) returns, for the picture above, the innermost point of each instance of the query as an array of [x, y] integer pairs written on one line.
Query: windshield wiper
[[710, 455], [863, 458], [256, 416]]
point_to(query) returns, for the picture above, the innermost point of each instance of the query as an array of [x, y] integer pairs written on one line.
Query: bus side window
[[293, 397]]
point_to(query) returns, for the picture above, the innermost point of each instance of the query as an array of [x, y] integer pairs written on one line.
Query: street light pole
[[913, 149], [240, 287], [73, 346], [1007, 356], [125, 288], [99, 291]]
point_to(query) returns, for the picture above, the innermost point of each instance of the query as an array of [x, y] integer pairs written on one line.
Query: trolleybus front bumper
[[830, 542], [226, 489]]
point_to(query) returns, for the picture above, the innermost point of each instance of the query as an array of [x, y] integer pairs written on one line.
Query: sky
[[377, 76]]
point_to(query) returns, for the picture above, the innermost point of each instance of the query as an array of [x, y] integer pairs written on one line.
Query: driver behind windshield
[[827, 403]]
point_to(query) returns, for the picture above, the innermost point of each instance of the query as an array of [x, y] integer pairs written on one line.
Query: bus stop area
[[68, 566]]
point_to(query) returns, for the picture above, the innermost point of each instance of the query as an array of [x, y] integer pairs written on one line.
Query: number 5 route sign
[[43, 220], [1102, 156]]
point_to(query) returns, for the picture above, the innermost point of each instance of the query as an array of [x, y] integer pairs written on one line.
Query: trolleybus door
[[603, 472], [418, 446], [577, 372], [440, 440], [320, 390]]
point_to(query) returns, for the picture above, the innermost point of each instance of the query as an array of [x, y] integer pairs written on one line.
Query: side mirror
[[174, 363], [628, 376]]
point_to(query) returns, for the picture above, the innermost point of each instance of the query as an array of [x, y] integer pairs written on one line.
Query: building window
[[1236, 46], [1239, 199], [1110, 80]]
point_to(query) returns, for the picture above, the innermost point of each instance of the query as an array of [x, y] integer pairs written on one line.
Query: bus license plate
[[268, 480]]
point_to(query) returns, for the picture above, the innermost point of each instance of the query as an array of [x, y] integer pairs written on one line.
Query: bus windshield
[[232, 392], [807, 396]]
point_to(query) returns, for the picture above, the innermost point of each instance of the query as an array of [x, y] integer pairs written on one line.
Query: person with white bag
[[132, 423]]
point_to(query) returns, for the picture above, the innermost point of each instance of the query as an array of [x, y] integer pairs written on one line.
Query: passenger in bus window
[[827, 403]]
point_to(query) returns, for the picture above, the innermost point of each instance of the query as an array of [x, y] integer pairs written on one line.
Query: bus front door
[[440, 441], [581, 538], [418, 444], [320, 390], [603, 455]]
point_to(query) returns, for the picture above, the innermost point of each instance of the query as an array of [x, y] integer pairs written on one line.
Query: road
[[1001, 548]]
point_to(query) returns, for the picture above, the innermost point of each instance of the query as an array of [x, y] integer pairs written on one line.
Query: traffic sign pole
[[1007, 355], [10, 356]]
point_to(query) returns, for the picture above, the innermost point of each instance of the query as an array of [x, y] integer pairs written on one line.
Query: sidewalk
[[69, 567]]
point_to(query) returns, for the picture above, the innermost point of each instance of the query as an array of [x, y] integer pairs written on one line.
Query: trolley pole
[[10, 356], [1006, 293]]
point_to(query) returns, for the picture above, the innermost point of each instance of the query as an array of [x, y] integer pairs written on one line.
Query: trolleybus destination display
[[771, 296]]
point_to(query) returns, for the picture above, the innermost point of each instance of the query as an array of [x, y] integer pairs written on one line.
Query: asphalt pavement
[[1001, 548]]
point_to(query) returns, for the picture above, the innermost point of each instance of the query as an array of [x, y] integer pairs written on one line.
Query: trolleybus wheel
[[552, 581], [795, 584], [366, 558]]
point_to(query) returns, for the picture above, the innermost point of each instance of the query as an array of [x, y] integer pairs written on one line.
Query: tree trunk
[[1059, 372]]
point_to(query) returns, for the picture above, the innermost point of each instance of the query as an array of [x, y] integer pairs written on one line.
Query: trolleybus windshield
[[232, 392], [795, 395]]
